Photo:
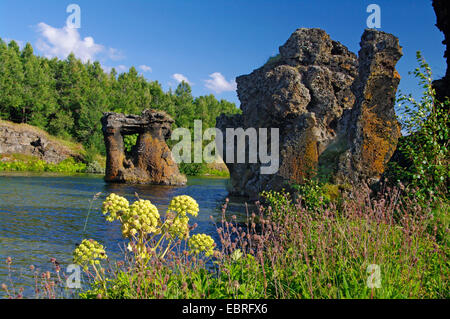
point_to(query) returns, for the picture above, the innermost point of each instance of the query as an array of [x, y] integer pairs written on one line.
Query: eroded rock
[[151, 160], [334, 110], [29, 140]]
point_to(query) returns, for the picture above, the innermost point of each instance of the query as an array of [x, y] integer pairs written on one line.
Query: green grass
[[216, 172], [26, 163]]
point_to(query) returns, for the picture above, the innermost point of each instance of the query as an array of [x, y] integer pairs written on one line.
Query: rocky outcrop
[[151, 160], [374, 130], [29, 140], [334, 110], [442, 10]]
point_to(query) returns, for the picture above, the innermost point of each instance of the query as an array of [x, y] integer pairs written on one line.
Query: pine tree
[[11, 81]]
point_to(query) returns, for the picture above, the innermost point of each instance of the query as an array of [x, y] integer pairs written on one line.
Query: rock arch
[[151, 160]]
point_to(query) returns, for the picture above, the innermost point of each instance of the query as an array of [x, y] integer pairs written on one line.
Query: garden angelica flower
[[178, 226], [115, 206], [88, 252], [202, 243], [143, 217], [184, 205]]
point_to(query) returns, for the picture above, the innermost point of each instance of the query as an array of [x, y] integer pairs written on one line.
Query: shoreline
[[58, 174]]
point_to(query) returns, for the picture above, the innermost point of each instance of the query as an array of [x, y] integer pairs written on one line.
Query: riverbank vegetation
[[23, 163]]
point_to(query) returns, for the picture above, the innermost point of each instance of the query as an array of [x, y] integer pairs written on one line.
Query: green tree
[[132, 93], [184, 112], [96, 102], [11, 81], [38, 100]]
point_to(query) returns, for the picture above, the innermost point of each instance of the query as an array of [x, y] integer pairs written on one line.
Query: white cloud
[[219, 84], [115, 54], [180, 78], [145, 68], [54, 42]]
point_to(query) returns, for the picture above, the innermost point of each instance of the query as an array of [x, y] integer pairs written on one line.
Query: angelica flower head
[[202, 243], [114, 207], [177, 226], [183, 205], [88, 252], [142, 217]]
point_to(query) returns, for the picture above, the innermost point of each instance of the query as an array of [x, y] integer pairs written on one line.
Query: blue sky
[[210, 42]]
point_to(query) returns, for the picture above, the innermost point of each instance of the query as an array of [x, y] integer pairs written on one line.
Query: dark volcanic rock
[[374, 130], [151, 160], [334, 110], [442, 10]]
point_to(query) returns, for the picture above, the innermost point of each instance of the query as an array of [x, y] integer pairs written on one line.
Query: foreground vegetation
[[331, 252], [357, 247]]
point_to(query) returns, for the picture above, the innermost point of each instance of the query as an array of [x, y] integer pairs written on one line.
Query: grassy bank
[[26, 163], [363, 248], [30, 163]]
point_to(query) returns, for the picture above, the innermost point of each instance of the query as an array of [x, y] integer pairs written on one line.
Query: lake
[[42, 216]]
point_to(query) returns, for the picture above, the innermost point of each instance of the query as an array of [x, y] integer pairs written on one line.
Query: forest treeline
[[67, 97]]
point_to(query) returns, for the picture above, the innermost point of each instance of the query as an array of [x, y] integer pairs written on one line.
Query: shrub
[[315, 194], [129, 142], [277, 202], [425, 148], [95, 168]]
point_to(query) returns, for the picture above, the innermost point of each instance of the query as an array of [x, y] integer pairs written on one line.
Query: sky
[[208, 43]]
